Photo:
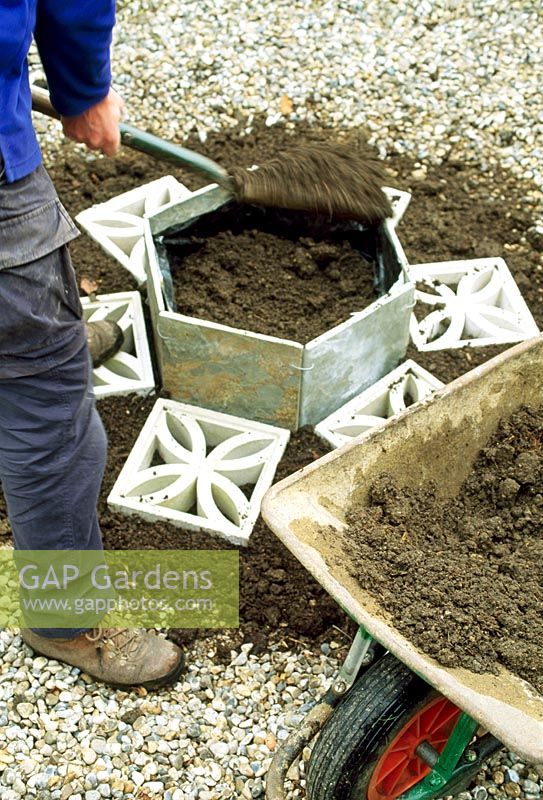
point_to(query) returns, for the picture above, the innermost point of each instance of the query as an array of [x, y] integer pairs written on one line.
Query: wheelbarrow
[[395, 723]]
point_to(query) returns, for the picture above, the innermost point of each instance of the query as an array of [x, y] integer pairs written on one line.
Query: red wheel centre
[[400, 768]]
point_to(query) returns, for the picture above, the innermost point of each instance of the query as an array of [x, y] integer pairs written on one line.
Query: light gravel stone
[[223, 739], [88, 755], [25, 710]]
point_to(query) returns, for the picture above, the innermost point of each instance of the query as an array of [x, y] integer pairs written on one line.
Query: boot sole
[[165, 680]]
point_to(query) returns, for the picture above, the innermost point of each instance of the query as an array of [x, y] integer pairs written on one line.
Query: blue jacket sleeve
[[74, 39]]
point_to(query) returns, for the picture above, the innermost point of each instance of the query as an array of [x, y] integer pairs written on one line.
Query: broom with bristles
[[317, 178]]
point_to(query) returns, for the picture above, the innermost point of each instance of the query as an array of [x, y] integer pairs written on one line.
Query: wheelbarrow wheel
[[366, 750]]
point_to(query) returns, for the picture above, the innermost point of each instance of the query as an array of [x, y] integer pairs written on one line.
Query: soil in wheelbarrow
[[271, 271], [463, 577]]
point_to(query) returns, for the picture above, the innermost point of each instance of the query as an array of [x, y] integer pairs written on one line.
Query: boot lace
[[123, 643]]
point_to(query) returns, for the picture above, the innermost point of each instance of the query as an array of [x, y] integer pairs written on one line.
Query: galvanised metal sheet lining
[[278, 381]]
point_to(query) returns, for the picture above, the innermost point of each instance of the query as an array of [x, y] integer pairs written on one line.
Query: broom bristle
[[319, 178]]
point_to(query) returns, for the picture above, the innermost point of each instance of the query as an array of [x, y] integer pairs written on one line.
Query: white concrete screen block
[[199, 469], [117, 225], [399, 201], [404, 386], [130, 370], [468, 303]]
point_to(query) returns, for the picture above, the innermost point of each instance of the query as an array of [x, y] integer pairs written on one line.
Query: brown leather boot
[[119, 657], [104, 339]]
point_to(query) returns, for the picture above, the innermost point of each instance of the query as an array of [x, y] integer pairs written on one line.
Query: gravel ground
[[212, 736], [428, 79], [433, 80]]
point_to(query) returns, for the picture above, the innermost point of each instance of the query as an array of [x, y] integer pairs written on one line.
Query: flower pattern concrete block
[[130, 370], [117, 225], [199, 469], [399, 201], [404, 386], [468, 303]]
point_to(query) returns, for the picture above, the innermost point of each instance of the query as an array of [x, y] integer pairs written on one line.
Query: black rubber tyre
[[359, 731]]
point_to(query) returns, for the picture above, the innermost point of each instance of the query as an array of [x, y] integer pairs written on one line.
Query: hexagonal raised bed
[[275, 380], [200, 470]]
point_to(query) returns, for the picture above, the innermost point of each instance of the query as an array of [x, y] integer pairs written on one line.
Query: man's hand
[[98, 126]]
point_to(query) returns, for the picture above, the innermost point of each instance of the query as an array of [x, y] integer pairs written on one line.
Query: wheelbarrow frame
[[456, 757], [320, 491]]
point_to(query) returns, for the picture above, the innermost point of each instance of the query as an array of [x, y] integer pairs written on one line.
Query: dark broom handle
[[147, 143]]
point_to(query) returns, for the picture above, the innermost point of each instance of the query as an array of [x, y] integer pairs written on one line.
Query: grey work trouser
[[52, 441]]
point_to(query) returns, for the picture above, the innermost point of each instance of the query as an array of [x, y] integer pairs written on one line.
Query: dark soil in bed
[[262, 270], [463, 577], [457, 211]]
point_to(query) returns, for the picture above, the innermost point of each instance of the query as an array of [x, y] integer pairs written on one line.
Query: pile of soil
[[259, 269], [457, 211], [463, 577]]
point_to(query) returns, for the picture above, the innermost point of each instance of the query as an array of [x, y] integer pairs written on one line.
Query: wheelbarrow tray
[[437, 439]]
